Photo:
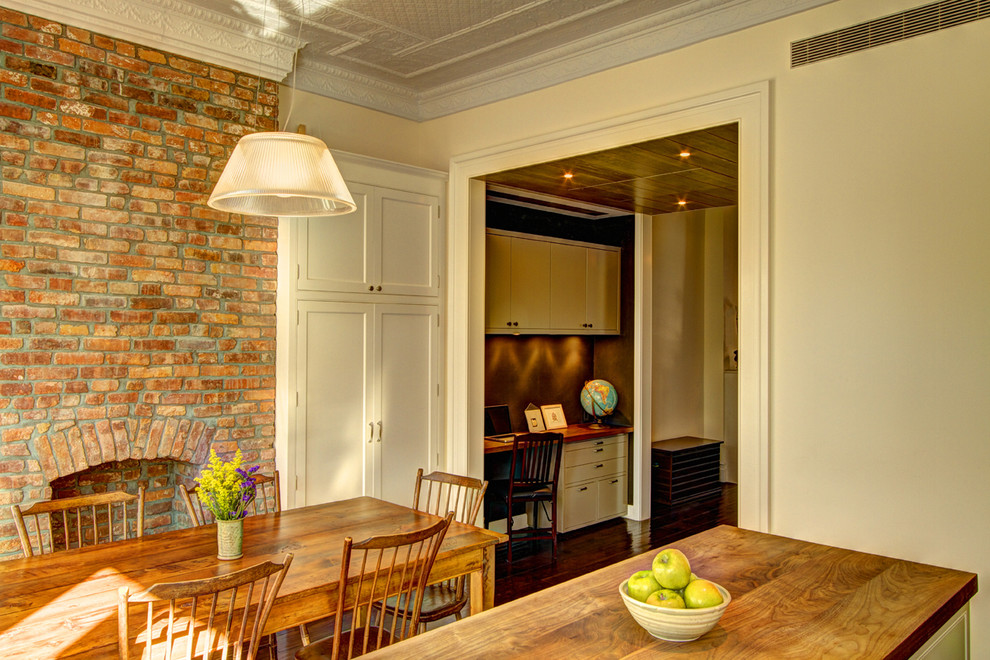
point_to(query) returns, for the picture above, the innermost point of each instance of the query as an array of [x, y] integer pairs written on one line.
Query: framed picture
[[553, 416], [534, 419]]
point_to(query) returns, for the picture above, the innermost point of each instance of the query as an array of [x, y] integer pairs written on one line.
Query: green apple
[[702, 593], [672, 569], [666, 598], [641, 584]]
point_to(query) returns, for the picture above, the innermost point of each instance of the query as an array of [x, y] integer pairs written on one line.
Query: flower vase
[[230, 535]]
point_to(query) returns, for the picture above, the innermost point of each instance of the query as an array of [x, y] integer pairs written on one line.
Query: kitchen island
[[790, 599]]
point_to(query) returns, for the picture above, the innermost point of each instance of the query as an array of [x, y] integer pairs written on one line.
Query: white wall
[[879, 268]]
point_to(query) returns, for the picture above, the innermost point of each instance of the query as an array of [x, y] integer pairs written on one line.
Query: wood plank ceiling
[[649, 177]]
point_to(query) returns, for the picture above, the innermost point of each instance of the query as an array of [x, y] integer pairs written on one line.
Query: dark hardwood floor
[[590, 548], [578, 552]]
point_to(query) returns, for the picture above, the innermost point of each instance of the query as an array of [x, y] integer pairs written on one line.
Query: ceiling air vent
[[896, 27]]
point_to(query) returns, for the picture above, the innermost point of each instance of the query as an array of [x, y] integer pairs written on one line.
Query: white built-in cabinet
[[366, 359], [540, 285], [389, 245], [592, 484], [367, 413]]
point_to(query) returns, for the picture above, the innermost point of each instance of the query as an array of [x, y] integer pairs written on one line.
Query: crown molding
[[182, 28], [176, 27]]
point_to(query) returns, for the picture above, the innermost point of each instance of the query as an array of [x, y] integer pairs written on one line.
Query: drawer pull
[[599, 450], [600, 442], [599, 465], [582, 488], [614, 481]]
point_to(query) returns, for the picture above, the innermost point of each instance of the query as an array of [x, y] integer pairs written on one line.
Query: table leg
[[483, 582]]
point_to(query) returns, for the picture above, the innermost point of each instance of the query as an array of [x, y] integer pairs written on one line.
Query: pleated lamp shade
[[279, 173]]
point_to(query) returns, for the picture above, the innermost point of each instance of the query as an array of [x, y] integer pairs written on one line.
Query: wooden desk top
[[790, 599], [572, 433], [65, 605]]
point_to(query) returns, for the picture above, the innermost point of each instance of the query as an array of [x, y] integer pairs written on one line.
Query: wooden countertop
[[790, 599], [572, 433]]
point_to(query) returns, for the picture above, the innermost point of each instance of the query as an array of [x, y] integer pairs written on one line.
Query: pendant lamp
[[282, 174]]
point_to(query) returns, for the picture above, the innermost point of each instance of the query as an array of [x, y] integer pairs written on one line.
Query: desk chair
[[533, 476], [392, 566], [74, 522], [205, 616]]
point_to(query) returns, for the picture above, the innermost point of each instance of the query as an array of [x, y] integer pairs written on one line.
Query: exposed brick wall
[[124, 299]]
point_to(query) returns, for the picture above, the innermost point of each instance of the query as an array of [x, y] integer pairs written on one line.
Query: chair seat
[[439, 601], [323, 648]]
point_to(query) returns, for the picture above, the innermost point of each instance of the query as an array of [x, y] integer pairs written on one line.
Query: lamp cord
[[292, 85]]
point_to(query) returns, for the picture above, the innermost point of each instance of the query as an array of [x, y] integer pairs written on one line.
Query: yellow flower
[[226, 489]]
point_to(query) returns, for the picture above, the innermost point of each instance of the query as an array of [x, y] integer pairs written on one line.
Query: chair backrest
[[201, 616], [267, 500], [379, 569], [440, 492], [536, 458], [74, 522]]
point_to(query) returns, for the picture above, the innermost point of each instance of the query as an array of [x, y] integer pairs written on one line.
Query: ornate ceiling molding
[[176, 27], [242, 44]]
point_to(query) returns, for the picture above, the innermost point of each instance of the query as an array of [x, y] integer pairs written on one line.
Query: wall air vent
[[895, 27]]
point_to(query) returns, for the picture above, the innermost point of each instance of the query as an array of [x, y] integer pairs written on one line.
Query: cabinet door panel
[[406, 390], [409, 242], [498, 265], [568, 302], [333, 361], [529, 288], [334, 250], [603, 289], [612, 497], [580, 506]]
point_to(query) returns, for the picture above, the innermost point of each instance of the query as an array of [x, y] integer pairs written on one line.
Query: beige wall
[[880, 305]]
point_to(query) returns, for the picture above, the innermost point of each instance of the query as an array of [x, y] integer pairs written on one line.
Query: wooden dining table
[[64, 605], [790, 599]]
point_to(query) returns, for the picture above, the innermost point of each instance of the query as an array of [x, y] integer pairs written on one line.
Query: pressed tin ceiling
[[417, 59]]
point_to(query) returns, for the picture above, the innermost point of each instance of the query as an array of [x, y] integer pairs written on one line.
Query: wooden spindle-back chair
[[437, 493], [224, 615], [381, 568], [75, 522]]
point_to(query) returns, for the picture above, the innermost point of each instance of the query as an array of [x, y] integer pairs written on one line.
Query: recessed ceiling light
[[685, 153], [568, 175], [682, 202]]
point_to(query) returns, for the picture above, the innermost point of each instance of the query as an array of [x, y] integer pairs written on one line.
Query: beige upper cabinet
[[537, 285]]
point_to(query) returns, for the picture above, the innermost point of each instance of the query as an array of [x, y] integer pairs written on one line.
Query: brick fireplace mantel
[[70, 448]]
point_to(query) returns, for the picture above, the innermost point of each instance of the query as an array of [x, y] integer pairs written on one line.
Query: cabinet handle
[[600, 442], [515, 323], [371, 431], [598, 451], [591, 325], [371, 288], [379, 430], [582, 488], [614, 481], [599, 465], [378, 288], [509, 323]]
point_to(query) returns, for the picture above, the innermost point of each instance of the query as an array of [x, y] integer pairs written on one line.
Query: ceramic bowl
[[674, 625]]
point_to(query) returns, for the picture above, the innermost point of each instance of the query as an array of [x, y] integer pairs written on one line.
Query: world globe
[[598, 398]]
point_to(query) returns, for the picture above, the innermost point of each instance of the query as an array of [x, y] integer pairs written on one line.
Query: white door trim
[[750, 106]]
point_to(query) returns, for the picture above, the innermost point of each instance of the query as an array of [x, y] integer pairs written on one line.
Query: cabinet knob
[[371, 288], [591, 325], [378, 288], [515, 323], [509, 323]]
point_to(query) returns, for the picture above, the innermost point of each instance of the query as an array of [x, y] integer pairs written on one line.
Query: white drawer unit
[[593, 482]]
